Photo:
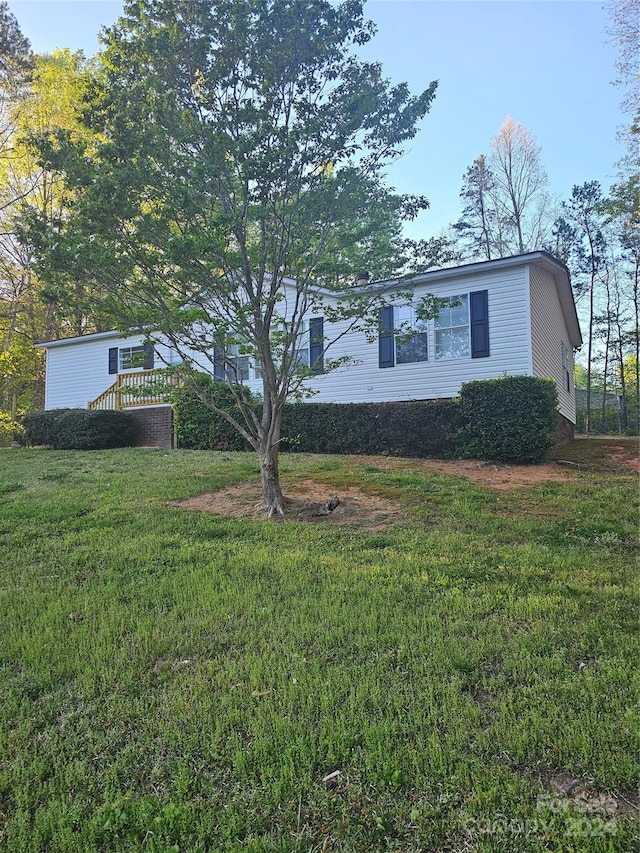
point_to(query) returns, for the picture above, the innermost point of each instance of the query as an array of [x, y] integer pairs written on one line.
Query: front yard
[[457, 674]]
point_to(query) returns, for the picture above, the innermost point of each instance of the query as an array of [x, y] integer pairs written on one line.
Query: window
[[410, 336], [237, 363], [460, 330], [301, 356], [309, 350], [131, 358], [452, 334]]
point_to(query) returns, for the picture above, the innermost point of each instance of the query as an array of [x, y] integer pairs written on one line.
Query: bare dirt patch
[[307, 499], [622, 457], [489, 474], [305, 502]]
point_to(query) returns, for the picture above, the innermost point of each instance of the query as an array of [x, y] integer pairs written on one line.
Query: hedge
[[80, 429], [196, 426], [395, 429], [512, 419]]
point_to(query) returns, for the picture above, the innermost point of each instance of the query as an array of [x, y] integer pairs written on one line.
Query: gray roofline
[[94, 336]]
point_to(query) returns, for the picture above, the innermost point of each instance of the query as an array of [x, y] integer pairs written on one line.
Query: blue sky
[[545, 62]]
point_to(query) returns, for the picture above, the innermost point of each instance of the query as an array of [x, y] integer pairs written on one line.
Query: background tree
[[15, 51], [624, 31], [507, 207], [582, 224], [15, 69], [46, 104], [479, 223], [241, 146], [521, 197], [623, 212]]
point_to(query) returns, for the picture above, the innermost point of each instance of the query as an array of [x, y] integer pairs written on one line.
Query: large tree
[[240, 164], [478, 227], [48, 103], [507, 208], [582, 225], [624, 31]]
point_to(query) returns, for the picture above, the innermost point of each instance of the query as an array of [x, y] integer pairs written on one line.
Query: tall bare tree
[[507, 207], [523, 204], [624, 32]]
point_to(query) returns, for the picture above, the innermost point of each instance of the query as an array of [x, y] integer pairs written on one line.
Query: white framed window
[[452, 328], [301, 355], [237, 363], [130, 358], [411, 338]]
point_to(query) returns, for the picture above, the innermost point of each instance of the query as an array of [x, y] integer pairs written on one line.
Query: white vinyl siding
[[364, 381], [78, 371], [526, 329], [551, 351]]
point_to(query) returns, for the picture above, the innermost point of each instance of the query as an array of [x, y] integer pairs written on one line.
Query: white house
[[513, 316]]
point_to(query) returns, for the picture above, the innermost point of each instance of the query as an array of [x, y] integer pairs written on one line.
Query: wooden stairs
[[139, 388]]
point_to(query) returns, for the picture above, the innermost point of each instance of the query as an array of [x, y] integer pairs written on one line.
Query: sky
[[547, 63]]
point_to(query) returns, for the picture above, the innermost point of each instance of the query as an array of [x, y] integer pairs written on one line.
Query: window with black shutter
[[386, 343], [316, 344], [479, 316]]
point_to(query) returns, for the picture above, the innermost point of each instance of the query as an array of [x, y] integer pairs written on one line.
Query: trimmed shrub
[[420, 428], [512, 419], [40, 427], [196, 426], [509, 420], [330, 428], [80, 429]]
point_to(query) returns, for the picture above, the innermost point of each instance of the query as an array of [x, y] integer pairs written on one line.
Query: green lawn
[[176, 681]]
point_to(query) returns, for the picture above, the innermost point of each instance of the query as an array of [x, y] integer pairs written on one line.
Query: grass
[[176, 681]]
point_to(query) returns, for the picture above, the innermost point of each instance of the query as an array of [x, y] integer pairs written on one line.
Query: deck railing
[[139, 388]]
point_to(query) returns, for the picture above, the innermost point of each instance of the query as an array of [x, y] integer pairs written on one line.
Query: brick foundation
[[156, 426], [565, 430]]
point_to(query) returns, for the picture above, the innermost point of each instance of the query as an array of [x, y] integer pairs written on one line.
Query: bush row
[[79, 429], [509, 420]]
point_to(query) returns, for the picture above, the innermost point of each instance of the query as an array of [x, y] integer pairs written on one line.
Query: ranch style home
[[507, 317]]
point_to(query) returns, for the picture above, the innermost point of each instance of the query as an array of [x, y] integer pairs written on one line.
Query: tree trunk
[[270, 476], [268, 447]]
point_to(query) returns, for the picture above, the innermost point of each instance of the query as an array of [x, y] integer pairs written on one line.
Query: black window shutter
[[148, 356], [218, 363], [113, 359], [386, 349], [479, 309], [316, 344]]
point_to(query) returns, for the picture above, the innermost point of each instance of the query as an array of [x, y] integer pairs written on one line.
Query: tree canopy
[[507, 209], [236, 164]]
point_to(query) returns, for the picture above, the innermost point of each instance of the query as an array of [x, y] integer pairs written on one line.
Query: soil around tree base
[[306, 499]]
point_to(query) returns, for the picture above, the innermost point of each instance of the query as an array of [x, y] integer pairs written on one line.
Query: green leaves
[[238, 155]]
